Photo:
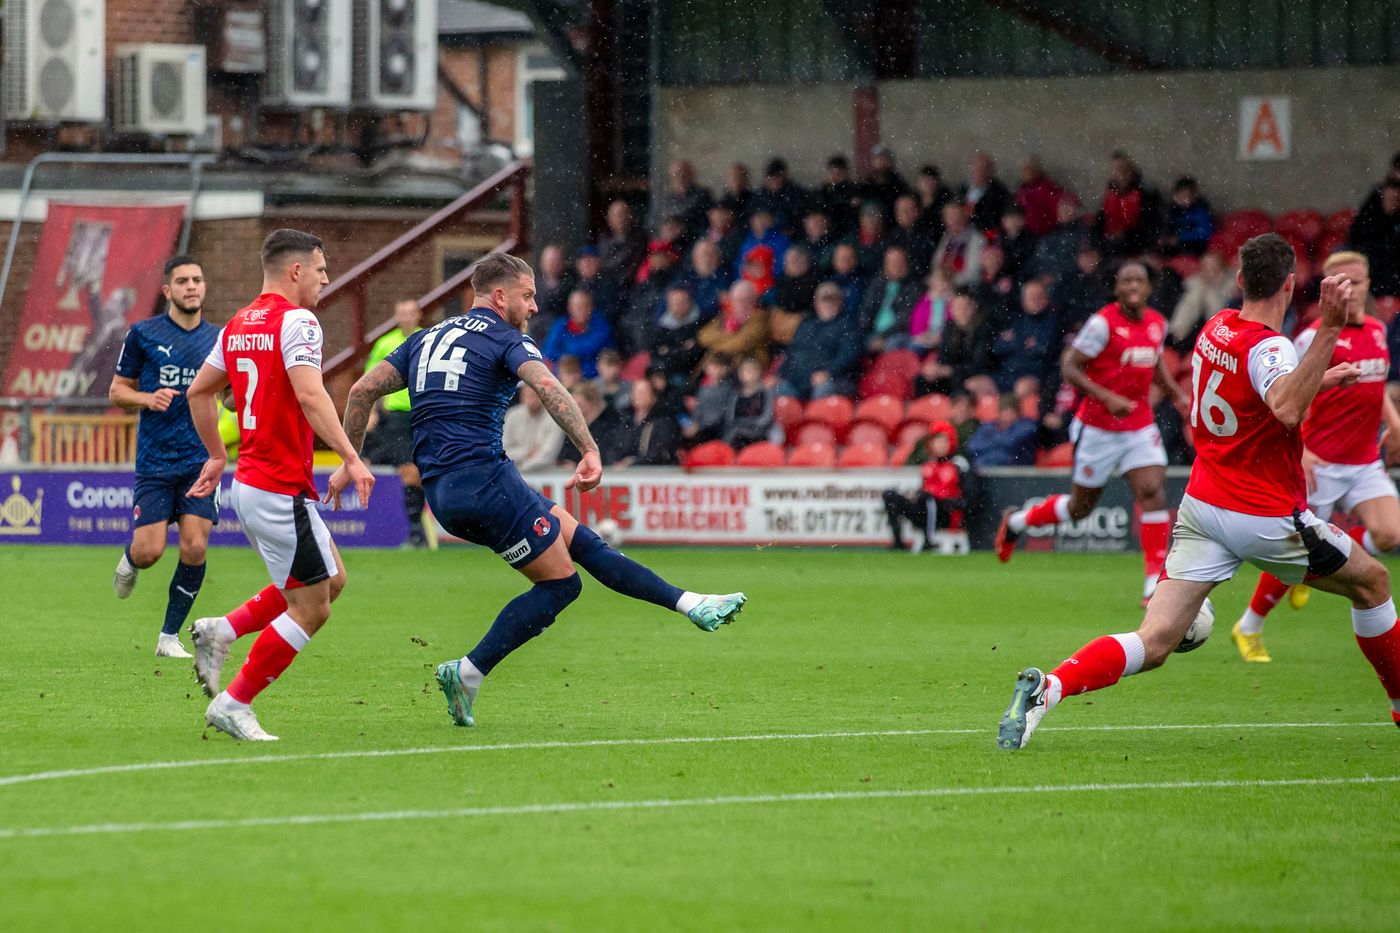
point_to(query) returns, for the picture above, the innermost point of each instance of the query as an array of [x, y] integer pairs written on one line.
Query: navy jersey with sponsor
[[461, 376], [160, 354]]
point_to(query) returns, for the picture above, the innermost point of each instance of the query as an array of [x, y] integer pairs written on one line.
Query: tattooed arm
[[565, 412], [380, 381]]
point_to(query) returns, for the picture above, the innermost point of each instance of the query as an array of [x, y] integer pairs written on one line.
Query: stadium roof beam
[[555, 20], [882, 35], [1081, 28]]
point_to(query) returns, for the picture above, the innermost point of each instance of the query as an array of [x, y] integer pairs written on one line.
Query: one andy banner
[[95, 507], [96, 272]]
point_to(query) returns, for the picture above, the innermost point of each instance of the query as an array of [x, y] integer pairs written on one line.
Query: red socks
[[1383, 651], [1046, 512], [1154, 532], [1101, 663], [256, 613], [275, 649], [1267, 594]]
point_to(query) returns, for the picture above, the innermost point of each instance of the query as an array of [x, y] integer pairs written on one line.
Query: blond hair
[[1345, 258]]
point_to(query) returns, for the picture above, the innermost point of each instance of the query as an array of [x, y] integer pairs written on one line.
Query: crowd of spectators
[[747, 293]]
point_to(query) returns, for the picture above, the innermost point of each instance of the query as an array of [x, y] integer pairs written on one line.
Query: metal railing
[[66, 431], [352, 286]]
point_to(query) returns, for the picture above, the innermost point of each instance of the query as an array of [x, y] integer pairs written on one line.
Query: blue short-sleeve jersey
[[461, 375], [160, 354]]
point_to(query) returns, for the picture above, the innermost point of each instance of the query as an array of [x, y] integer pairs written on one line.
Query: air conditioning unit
[[159, 89], [55, 60], [396, 54], [308, 53]]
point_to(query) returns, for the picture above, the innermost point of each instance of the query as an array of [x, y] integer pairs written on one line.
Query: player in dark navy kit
[[461, 375], [159, 360]]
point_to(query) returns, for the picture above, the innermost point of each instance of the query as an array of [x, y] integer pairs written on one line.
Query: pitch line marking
[[13, 779], [587, 806]]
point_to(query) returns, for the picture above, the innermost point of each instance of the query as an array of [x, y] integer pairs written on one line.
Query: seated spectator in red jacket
[[959, 252], [940, 502], [888, 306], [1038, 197], [822, 358], [1190, 220], [1130, 216], [984, 195], [647, 437], [763, 232], [1007, 441], [582, 334]]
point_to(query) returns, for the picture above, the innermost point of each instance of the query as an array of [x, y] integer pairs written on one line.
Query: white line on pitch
[[12, 779], [584, 806]]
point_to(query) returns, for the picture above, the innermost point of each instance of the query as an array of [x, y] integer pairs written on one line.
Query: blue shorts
[[492, 506], [162, 498]]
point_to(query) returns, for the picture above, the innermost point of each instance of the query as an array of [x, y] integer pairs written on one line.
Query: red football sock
[[1154, 535], [1101, 663], [1267, 594], [275, 649], [256, 613], [1044, 513], [1383, 651]]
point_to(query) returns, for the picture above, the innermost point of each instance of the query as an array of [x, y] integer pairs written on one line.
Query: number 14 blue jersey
[[461, 376]]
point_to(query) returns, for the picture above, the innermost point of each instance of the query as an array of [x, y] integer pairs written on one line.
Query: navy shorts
[[492, 506], [162, 498]]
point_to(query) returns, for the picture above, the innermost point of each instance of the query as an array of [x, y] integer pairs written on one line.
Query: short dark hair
[[284, 242], [175, 262], [1266, 262], [495, 268]]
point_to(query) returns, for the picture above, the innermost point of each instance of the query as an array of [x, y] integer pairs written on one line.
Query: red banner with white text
[[96, 272]]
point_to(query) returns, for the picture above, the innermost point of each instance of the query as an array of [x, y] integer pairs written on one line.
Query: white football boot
[[210, 652], [1034, 696], [168, 646], [124, 578], [237, 721]]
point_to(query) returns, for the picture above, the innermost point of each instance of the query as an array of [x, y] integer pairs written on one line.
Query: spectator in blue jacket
[[1190, 220], [706, 278], [762, 232], [1007, 441], [582, 334], [1030, 345], [845, 272], [822, 358]]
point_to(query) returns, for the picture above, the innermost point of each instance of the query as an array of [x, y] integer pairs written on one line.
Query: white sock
[[291, 633], [688, 601], [1368, 623], [1135, 650], [124, 566], [467, 673], [1017, 521], [1149, 586], [1054, 692], [223, 631], [228, 702], [1369, 543], [1252, 623]]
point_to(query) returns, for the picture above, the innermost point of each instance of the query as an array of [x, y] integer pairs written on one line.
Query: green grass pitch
[[855, 785]]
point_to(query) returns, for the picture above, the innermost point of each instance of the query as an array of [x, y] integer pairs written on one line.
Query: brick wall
[[463, 65]]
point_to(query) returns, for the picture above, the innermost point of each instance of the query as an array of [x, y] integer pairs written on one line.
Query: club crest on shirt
[[541, 527]]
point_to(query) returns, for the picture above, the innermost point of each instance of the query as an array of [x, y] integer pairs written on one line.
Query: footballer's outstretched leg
[[212, 636]]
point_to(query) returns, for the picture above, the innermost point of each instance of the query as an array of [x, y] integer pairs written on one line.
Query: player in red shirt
[[1341, 446], [271, 354], [1246, 497], [1113, 362]]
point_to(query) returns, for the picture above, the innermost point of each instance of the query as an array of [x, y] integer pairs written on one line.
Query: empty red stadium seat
[[1247, 223], [1340, 221], [912, 432], [929, 408], [1061, 456], [901, 453], [814, 432], [867, 432], [636, 366], [864, 455], [1305, 225], [1330, 242], [787, 411], [1226, 244], [762, 454], [711, 454], [834, 410], [812, 455], [884, 410]]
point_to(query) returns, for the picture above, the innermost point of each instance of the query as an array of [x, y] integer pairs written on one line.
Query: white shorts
[[1100, 455], [287, 531], [1344, 486], [1209, 544]]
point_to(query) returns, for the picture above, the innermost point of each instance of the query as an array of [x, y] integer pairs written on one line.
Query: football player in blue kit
[[461, 375], [159, 360]]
